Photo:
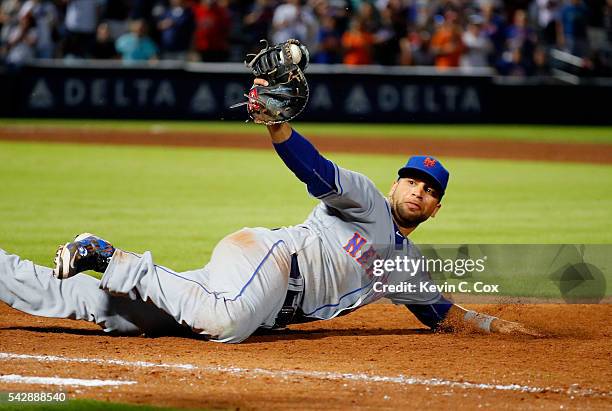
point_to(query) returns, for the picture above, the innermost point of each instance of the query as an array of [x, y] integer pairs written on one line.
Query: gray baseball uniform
[[246, 282]]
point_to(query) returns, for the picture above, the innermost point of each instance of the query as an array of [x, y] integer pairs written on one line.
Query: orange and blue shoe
[[86, 252]]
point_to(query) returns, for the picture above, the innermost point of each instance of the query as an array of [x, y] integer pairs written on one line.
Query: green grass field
[[178, 202], [546, 133]]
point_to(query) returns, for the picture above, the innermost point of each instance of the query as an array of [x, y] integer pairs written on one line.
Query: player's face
[[413, 200]]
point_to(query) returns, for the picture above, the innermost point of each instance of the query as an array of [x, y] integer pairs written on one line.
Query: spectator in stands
[[329, 42], [495, 28], [399, 15], [573, 33], [21, 41], [320, 9], [415, 49], [547, 13], [420, 13], [211, 37], [446, 42], [386, 42], [514, 64], [408, 32], [81, 22], [596, 32], [518, 33], [540, 60], [370, 16], [406, 49], [45, 17], [293, 20], [116, 14], [357, 43], [141, 10], [176, 25], [104, 46], [257, 23], [340, 10], [478, 46], [517, 58], [9, 19], [136, 45], [9, 10]]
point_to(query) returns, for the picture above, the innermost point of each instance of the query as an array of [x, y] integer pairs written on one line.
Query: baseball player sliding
[[259, 277]]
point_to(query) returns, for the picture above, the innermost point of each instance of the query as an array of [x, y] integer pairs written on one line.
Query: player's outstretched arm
[[279, 133], [346, 191], [302, 158], [458, 316]]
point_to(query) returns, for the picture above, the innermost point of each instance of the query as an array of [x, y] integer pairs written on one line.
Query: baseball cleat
[[86, 252]]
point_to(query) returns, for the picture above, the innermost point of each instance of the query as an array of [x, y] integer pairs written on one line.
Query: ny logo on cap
[[429, 162]]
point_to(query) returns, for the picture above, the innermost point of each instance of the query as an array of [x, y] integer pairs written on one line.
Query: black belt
[[295, 290]]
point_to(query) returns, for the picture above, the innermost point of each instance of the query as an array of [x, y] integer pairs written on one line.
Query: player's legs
[[242, 287], [32, 288]]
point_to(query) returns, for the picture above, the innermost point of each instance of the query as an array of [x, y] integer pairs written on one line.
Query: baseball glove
[[286, 94]]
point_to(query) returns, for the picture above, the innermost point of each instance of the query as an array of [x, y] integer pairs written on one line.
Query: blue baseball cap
[[427, 166]]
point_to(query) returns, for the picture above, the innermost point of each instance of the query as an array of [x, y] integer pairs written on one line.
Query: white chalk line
[[20, 379], [574, 390]]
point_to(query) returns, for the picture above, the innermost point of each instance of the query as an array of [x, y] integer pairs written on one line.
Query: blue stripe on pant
[[31, 288], [242, 287]]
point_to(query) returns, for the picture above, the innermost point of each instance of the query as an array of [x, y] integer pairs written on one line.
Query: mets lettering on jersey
[[368, 256], [354, 244]]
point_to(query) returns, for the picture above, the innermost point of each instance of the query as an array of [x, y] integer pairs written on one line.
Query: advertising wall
[[337, 93]]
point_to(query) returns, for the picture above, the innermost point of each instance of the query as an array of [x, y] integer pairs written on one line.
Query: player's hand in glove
[[284, 94], [458, 317]]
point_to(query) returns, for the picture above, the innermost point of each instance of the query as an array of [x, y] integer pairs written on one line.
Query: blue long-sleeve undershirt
[[301, 157], [431, 314]]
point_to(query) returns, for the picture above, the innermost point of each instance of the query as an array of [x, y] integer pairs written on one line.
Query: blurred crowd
[[515, 37]]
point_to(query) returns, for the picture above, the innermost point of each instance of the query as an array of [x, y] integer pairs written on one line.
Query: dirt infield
[[467, 148], [379, 357]]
